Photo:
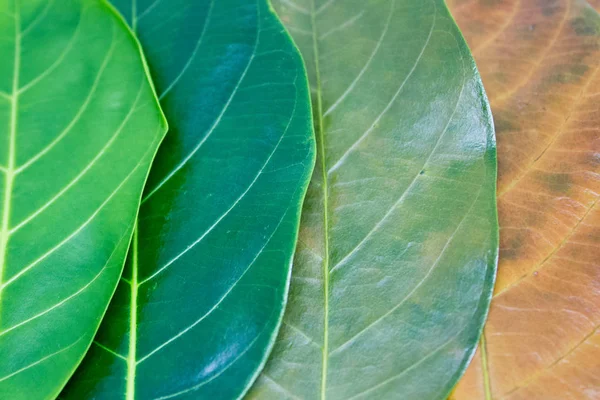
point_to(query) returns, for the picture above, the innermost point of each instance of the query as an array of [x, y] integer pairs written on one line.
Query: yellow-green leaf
[[79, 127]]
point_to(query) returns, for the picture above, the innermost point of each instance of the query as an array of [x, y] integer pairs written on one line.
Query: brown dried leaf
[[540, 62]]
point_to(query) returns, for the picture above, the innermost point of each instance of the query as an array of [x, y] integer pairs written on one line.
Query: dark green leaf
[[204, 290], [398, 243], [80, 125]]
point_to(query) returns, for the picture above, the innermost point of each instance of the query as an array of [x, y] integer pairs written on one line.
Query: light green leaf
[[80, 126], [203, 294], [398, 243]]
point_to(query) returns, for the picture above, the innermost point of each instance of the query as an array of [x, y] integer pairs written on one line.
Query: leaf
[[540, 63], [202, 297], [398, 242], [81, 124]]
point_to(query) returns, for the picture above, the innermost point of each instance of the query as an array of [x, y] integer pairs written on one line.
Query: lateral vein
[[85, 170], [209, 132], [108, 350], [78, 115], [39, 361]]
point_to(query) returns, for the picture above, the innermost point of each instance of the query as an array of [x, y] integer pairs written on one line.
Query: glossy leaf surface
[[540, 63], [74, 93], [398, 242], [204, 290]]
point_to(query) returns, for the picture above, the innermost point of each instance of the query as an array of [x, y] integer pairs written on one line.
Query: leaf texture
[[540, 62], [398, 242], [202, 297], [74, 93]]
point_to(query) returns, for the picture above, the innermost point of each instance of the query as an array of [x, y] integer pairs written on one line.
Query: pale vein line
[[9, 175], [295, 6], [539, 62], [556, 249], [213, 226], [38, 19], [77, 116], [386, 109], [393, 378], [41, 360], [3, 169], [90, 219], [5, 95], [134, 17], [298, 30], [405, 192], [193, 55], [301, 333], [67, 299], [324, 6], [114, 353], [60, 58], [563, 357], [217, 304], [413, 291], [210, 131], [84, 171], [343, 26], [559, 133], [367, 64], [279, 387], [165, 20], [226, 294], [148, 9], [216, 223], [131, 354], [502, 29], [212, 378]]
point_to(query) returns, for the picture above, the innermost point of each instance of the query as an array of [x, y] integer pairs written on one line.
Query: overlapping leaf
[[540, 62], [73, 95], [204, 289], [398, 240]]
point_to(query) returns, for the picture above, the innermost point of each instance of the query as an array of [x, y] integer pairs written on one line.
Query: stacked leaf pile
[[296, 199]]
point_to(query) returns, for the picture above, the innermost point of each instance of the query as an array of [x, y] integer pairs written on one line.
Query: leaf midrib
[[133, 284], [131, 354], [487, 384], [10, 169], [321, 150]]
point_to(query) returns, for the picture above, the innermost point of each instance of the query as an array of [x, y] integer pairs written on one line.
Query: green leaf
[[204, 290], [80, 126], [398, 244]]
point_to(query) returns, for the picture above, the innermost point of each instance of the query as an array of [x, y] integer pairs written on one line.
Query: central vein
[[321, 151], [131, 355], [10, 168], [484, 368]]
